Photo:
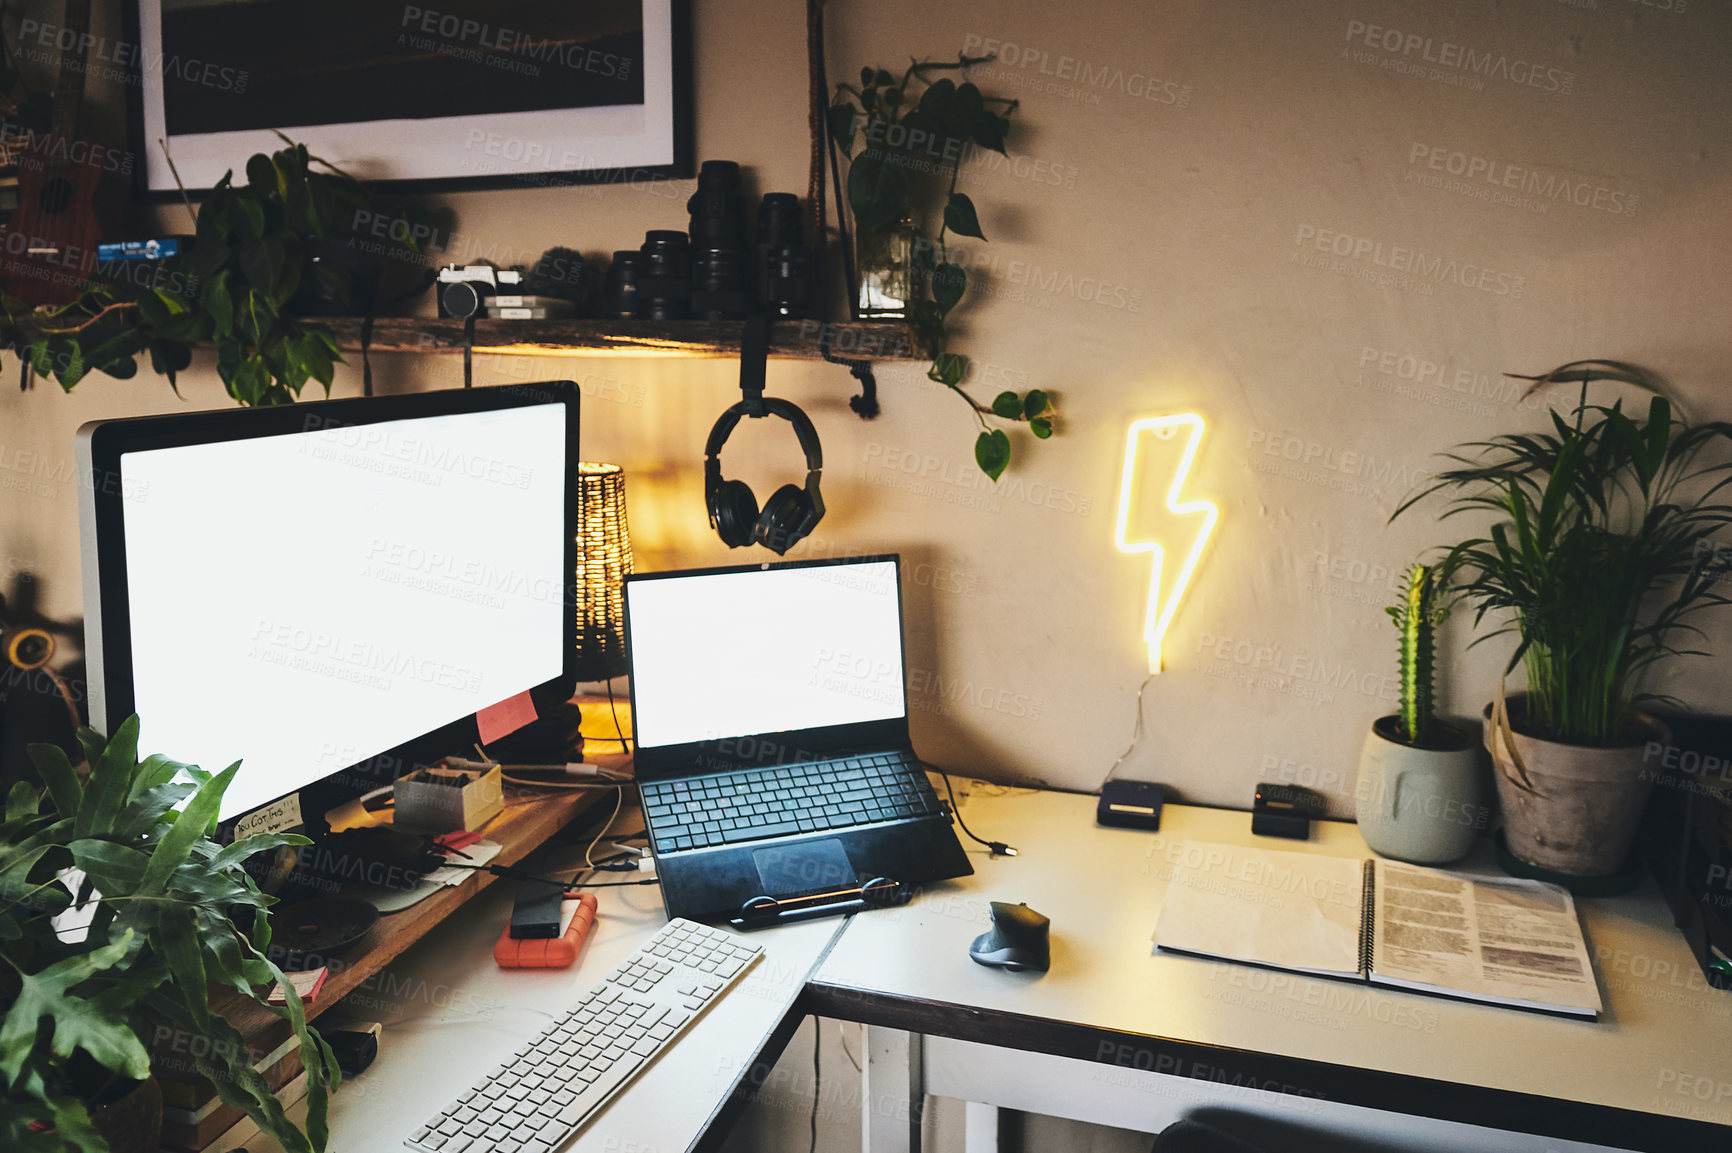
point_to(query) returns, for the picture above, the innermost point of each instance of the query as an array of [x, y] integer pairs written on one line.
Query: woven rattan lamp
[[603, 561]]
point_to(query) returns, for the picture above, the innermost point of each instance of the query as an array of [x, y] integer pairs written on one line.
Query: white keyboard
[[535, 1101]]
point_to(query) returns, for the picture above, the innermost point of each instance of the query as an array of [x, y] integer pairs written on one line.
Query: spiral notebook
[[1495, 940]]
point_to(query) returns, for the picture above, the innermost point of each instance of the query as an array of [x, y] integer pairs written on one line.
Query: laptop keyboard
[[751, 804]]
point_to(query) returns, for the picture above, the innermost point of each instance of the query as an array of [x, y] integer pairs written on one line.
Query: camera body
[[464, 289]]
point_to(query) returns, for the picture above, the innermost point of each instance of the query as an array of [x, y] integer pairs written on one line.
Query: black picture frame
[[544, 147]]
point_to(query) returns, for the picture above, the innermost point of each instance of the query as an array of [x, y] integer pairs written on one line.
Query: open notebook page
[[1503, 941], [1291, 910]]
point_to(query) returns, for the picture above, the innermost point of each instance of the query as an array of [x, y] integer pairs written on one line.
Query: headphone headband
[[787, 410]]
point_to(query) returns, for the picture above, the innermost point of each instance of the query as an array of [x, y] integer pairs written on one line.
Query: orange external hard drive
[[547, 952]]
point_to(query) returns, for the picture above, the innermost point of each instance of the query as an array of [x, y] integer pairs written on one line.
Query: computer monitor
[[312, 587]]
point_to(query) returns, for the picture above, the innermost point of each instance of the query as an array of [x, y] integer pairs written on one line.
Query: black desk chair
[[1195, 1137], [1224, 1131]]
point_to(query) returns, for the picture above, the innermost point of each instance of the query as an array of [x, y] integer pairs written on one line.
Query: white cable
[[579, 770], [618, 802], [529, 784], [1136, 733]]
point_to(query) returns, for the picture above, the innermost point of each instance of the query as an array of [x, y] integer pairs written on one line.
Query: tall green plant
[[161, 932], [1600, 549], [1423, 607]]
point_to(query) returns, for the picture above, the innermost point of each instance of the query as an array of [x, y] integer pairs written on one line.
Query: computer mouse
[[1016, 941]]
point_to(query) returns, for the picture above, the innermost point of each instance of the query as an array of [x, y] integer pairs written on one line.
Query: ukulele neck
[[69, 83]]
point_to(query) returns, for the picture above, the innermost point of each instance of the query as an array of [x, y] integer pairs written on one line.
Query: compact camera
[[464, 289], [561, 284]]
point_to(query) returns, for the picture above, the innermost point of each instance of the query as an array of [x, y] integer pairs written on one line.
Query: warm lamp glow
[[603, 562], [1202, 513], [644, 350]]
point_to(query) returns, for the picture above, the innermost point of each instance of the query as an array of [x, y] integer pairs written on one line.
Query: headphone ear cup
[[779, 525], [735, 511]]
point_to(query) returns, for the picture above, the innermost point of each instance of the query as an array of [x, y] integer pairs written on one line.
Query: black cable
[[366, 359], [468, 348], [817, 1047], [511, 873], [999, 848], [624, 741], [426, 282]]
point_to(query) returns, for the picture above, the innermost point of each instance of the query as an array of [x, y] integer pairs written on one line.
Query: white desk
[[1112, 1034], [1115, 1034], [451, 1014]]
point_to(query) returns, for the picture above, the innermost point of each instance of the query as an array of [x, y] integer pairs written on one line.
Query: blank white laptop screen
[[732, 654], [304, 602]]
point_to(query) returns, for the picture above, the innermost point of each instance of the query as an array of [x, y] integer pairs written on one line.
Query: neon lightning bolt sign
[[1204, 513]]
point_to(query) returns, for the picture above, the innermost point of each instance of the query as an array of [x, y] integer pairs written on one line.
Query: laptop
[[769, 705]]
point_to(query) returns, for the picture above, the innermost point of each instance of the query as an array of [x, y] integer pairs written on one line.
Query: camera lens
[[461, 299], [718, 213], [620, 295], [780, 223], [783, 280], [787, 281], [719, 284], [664, 276]]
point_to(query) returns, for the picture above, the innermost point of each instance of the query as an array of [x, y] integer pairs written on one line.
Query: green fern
[[1603, 546]]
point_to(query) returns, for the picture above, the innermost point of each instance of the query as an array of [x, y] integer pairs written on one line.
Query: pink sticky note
[[505, 718], [307, 984]]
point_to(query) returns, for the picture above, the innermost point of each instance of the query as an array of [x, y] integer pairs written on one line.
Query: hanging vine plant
[[243, 285], [914, 133]]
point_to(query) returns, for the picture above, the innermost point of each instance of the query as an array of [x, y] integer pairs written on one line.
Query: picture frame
[[443, 95]]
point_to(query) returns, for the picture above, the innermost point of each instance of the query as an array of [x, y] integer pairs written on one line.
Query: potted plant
[[82, 1006], [1417, 797], [1598, 556], [267, 252], [914, 133]]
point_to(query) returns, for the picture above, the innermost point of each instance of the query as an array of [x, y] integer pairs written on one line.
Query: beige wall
[[1154, 250]]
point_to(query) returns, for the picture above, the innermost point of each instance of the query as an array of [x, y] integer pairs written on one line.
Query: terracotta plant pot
[[1578, 808], [1419, 803], [131, 1123]]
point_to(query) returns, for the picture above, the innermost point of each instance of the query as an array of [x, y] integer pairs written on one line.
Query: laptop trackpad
[[804, 867]]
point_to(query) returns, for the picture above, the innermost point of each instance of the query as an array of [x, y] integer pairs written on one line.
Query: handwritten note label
[[273, 818]]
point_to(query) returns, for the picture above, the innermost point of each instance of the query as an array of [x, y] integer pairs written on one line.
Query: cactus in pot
[[1423, 607], [1417, 797]]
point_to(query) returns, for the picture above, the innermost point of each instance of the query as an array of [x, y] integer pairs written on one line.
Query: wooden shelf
[[789, 339], [520, 829]]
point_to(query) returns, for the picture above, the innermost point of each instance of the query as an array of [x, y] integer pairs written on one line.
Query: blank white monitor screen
[[303, 602], [731, 654]]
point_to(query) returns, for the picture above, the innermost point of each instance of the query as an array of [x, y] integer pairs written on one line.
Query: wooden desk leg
[[892, 1091]]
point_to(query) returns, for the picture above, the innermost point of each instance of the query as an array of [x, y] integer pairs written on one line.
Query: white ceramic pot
[[1577, 808], [1419, 804]]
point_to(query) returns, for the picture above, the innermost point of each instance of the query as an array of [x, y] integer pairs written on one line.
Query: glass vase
[[884, 271]]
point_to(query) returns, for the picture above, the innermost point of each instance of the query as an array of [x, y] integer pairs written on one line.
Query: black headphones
[[790, 513]]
